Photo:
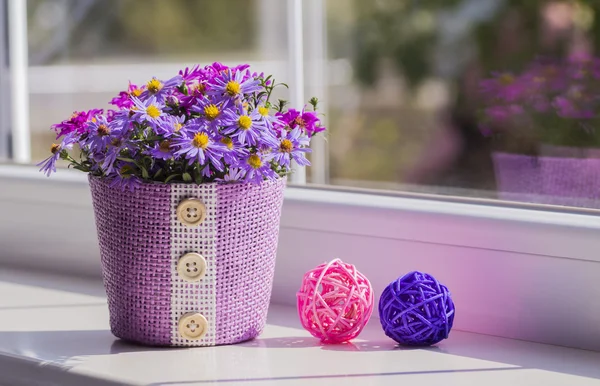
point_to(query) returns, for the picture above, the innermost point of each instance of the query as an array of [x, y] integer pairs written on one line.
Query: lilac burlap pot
[[548, 180], [186, 264]]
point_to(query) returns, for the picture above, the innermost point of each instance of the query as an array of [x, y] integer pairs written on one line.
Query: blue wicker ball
[[416, 310]]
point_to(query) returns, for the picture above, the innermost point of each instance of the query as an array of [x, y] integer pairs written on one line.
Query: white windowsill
[[514, 272], [59, 337]]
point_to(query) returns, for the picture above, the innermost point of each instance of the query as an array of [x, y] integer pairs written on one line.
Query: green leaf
[[187, 177], [171, 177], [157, 174], [125, 159], [145, 174]]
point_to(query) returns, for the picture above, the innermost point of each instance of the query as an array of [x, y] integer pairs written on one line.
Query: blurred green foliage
[[160, 29], [407, 32]]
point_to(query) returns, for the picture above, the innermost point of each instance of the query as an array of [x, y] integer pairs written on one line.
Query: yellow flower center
[[227, 142], [103, 130], [200, 140], [54, 148], [507, 79], [165, 146], [245, 122], [286, 146], [154, 85], [299, 121], [254, 161], [211, 112], [153, 111], [136, 92], [233, 88], [177, 127], [201, 88], [264, 111]]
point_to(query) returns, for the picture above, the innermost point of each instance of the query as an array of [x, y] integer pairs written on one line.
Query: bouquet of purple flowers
[[555, 102], [215, 123]]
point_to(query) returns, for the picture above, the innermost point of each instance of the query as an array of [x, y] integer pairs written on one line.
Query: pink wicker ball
[[335, 302]]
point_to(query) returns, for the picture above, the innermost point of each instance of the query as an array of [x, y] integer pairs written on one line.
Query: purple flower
[[162, 150], [160, 90], [269, 120], [149, 111], [211, 113], [123, 100], [257, 167], [247, 128], [190, 76], [233, 175], [101, 133], [306, 120], [48, 166], [292, 145], [117, 145], [573, 108], [199, 146], [169, 125], [502, 86], [76, 124], [235, 150], [125, 178], [584, 67], [230, 84]]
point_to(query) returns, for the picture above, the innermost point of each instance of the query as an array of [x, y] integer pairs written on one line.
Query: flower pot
[[186, 264], [548, 180]]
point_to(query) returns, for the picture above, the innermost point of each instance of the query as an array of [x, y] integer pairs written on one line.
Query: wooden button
[[193, 326], [191, 212], [191, 267]]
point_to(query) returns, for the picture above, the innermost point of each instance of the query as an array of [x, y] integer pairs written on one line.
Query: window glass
[[483, 98]]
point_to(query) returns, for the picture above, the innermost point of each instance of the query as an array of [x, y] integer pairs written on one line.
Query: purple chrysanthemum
[[270, 121], [257, 167], [76, 124], [292, 146], [100, 134], [308, 121], [236, 150], [212, 113], [160, 90], [231, 84], [123, 100], [48, 166], [118, 144], [247, 128], [233, 175], [170, 125], [200, 146], [149, 111], [124, 178], [162, 150]]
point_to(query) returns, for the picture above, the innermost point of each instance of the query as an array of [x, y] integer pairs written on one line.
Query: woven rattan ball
[[335, 302], [416, 310]]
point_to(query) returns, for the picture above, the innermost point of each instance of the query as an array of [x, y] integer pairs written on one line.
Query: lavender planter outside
[[143, 241], [548, 180]]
